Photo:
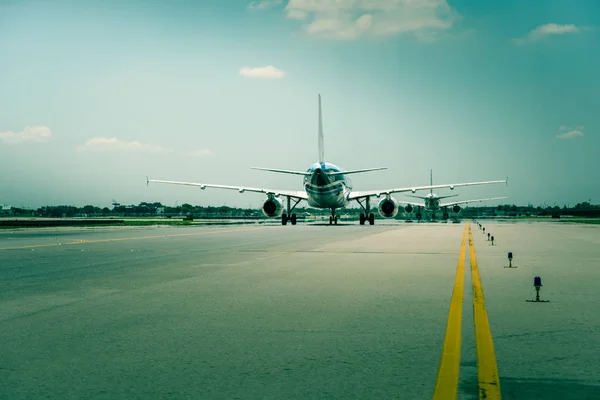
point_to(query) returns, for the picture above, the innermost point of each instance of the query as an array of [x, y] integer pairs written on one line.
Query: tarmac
[[309, 311]]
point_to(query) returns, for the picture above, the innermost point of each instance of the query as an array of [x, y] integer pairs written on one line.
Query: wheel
[[418, 216], [293, 219], [362, 219], [284, 219], [445, 216], [372, 219]]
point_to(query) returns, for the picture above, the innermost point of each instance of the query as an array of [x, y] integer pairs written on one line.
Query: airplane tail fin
[[321, 148], [431, 180]]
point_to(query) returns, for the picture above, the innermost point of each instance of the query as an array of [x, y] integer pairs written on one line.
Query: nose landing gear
[[333, 219]]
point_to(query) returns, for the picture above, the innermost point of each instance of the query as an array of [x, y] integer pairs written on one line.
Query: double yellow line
[[487, 370]]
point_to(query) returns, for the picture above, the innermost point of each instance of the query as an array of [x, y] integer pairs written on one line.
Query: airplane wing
[[439, 197], [297, 194], [470, 201], [356, 171], [284, 171], [412, 203], [384, 192], [445, 197]]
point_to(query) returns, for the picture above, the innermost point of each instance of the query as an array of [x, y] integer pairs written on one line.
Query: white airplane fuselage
[[326, 191], [432, 202]]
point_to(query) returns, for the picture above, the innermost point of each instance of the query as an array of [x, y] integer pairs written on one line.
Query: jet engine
[[388, 208], [456, 208], [272, 207], [408, 208]]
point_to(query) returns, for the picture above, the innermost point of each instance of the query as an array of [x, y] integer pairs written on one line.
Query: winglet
[[147, 180], [507, 181]]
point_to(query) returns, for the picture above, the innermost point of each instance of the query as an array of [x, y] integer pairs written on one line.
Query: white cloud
[[199, 153], [268, 71], [264, 4], [349, 19], [547, 30], [114, 144], [297, 14], [39, 134], [570, 133]]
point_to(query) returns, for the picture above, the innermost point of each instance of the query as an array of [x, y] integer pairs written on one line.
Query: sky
[[97, 95]]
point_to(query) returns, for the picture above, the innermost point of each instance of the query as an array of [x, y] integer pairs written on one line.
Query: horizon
[[305, 207]]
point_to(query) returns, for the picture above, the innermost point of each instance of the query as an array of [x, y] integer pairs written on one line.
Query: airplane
[[326, 186], [431, 202]]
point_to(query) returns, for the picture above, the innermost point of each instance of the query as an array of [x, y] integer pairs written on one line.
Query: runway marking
[[80, 241], [487, 368], [446, 386]]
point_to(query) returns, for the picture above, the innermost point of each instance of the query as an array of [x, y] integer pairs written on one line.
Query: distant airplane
[[431, 202], [325, 186]]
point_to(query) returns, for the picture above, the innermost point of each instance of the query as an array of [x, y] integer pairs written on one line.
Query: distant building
[[160, 210], [5, 209]]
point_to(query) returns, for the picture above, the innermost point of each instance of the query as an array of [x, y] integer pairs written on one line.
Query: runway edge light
[[537, 283], [510, 257]]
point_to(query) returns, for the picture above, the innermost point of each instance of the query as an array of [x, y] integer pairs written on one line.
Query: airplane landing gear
[[333, 219], [363, 218], [366, 216], [418, 214], [285, 218]]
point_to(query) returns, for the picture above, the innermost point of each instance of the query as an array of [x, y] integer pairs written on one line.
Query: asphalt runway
[[299, 312]]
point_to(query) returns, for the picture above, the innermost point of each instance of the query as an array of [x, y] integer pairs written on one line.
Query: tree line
[[146, 209]]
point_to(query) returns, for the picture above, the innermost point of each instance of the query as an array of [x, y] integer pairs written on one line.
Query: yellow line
[[487, 368], [79, 241], [446, 386]]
